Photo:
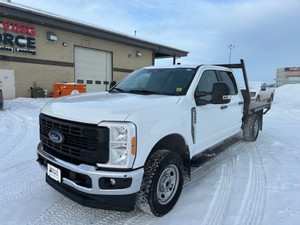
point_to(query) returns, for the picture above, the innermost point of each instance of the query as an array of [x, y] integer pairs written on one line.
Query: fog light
[[106, 183], [112, 181]]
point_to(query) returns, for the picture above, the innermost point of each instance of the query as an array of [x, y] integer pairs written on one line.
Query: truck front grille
[[83, 143]]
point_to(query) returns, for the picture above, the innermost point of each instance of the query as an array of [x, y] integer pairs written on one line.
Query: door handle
[[240, 103], [224, 107]]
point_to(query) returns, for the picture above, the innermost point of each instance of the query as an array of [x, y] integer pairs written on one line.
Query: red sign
[[18, 28], [292, 69]]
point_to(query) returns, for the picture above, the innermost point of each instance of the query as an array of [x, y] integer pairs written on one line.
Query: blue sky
[[265, 32]]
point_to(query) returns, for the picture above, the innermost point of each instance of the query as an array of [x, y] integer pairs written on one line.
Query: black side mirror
[[113, 83], [220, 93]]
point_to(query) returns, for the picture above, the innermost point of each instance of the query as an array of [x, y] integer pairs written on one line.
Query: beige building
[[287, 75], [42, 49]]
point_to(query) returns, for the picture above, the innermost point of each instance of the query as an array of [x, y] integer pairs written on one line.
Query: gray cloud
[[265, 32]]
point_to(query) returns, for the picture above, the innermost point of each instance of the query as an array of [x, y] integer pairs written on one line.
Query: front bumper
[[92, 195]]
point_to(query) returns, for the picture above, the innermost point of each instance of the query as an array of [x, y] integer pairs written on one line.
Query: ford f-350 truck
[[133, 145], [259, 91]]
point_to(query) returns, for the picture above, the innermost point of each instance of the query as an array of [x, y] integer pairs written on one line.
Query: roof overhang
[[26, 14]]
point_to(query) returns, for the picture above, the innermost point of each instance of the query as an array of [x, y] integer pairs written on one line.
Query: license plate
[[53, 172]]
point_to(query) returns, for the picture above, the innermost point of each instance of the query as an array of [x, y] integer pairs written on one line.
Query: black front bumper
[[111, 202]]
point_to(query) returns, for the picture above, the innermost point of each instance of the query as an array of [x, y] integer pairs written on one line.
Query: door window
[[208, 78], [228, 79]]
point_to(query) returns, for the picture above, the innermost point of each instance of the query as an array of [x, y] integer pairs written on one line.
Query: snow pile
[[288, 96]]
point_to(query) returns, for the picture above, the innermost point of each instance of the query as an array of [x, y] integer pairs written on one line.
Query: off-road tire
[[251, 128], [271, 98], [156, 169], [257, 99]]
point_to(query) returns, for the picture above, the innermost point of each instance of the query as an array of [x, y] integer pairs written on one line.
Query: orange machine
[[63, 89]]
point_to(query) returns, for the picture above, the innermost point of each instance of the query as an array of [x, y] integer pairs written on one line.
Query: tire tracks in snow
[[227, 158], [66, 211], [221, 199], [14, 129], [7, 128], [253, 204], [22, 134], [16, 168], [23, 186]]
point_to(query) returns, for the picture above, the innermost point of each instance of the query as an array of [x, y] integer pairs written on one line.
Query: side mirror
[[220, 93], [113, 83]]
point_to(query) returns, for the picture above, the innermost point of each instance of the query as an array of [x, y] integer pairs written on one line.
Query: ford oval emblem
[[56, 136]]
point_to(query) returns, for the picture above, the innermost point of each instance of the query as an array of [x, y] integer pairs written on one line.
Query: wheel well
[[175, 143]]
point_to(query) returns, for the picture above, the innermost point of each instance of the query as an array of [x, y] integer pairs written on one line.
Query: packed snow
[[245, 183]]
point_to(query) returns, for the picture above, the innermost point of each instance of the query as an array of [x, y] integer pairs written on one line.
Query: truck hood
[[103, 106]]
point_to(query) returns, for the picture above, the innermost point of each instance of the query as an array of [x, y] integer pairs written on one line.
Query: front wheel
[[162, 183]]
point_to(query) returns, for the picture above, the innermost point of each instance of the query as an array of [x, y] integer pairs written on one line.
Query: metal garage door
[[93, 67], [7, 83]]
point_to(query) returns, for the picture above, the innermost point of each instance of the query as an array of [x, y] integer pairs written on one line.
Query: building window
[[293, 80]]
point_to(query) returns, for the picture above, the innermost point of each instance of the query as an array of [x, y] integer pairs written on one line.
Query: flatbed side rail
[[259, 106]]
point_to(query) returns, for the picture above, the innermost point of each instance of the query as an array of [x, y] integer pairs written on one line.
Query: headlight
[[122, 144]]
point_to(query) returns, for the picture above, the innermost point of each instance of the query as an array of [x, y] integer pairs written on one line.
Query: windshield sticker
[[179, 89]]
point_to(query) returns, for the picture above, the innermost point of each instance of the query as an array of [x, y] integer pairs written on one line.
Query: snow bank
[[288, 96]]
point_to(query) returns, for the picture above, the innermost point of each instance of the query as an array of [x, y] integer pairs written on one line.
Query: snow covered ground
[[247, 183]]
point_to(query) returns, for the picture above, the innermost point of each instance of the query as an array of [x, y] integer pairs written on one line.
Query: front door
[[215, 122]]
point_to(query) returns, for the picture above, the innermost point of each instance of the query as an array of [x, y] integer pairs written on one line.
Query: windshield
[[174, 81]]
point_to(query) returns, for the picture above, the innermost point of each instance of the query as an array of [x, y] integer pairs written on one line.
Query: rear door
[[234, 110]]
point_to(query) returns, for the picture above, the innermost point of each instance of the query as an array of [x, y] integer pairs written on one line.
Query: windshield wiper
[[117, 89], [146, 92]]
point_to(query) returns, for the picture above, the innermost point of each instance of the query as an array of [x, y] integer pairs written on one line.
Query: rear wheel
[[257, 99], [271, 98], [251, 128], [162, 183]]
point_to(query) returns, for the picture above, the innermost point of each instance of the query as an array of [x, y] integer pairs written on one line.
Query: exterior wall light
[[51, 36], [64, 44], [138, 54]]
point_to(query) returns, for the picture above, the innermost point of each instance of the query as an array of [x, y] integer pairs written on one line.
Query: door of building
[[93, 68], [7, 84]]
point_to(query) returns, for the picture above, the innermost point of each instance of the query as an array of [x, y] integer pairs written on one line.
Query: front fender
[[152, 128]]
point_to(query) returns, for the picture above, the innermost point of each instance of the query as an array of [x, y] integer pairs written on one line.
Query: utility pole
[[231, 46]]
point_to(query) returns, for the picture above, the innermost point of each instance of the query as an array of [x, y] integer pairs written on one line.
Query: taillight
[[0, 90]]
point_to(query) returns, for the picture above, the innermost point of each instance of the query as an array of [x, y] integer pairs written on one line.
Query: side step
[[214, 157]]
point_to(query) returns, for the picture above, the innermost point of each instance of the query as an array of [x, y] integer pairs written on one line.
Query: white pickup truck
[[135, 143], [259, 91]]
